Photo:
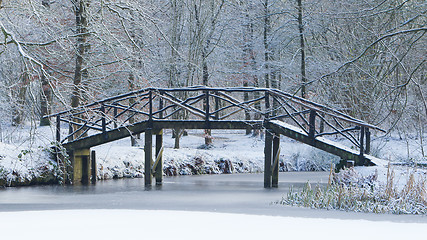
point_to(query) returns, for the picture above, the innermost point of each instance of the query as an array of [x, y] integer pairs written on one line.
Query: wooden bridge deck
[[324, 144], [151, 110], [140, 127]]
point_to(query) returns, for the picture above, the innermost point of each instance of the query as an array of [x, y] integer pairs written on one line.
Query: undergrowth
[[349, 191]]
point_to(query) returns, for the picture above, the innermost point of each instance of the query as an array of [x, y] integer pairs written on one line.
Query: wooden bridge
[[151, 110]]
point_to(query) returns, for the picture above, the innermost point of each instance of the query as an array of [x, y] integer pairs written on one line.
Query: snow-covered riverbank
[[24, 155]]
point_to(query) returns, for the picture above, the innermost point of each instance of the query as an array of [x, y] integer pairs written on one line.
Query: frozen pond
[[235, 193]]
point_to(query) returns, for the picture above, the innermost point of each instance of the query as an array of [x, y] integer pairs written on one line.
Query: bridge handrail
[[144, 106], [324, 109], [291, 97]]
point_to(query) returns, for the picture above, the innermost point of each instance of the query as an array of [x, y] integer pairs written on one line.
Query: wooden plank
[[109, 136]]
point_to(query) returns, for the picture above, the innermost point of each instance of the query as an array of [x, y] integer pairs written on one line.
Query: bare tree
[[82, 23]]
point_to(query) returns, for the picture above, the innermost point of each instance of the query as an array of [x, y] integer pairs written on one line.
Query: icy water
[[235, 193]]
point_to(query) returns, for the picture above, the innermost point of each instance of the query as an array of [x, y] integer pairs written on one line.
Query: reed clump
[[349, 191]]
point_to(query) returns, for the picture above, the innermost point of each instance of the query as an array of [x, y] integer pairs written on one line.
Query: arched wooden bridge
[[151, 110]]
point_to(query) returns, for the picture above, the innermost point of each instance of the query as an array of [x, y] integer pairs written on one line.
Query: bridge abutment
[[81, 162]]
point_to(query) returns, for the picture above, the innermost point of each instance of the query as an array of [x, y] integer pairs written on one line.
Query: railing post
[[368, 141], [150, 106], [362, 139], [267, 105], [312, 124], [58, 129], [160, 107], [104, 127], [216, 106], [70, 131], [115, 117], [207, 113]]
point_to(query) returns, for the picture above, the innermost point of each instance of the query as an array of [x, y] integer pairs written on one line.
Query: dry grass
[[350, 191]]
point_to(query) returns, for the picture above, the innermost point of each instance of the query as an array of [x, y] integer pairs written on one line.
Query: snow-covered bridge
[[151, 110]]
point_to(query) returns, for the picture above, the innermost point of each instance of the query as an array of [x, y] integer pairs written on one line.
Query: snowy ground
[[118, 224]]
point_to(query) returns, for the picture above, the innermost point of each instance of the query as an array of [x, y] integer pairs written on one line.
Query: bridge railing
[[211, 104]]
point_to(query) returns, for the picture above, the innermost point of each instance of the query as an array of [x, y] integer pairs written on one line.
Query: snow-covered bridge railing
[[152, 109]]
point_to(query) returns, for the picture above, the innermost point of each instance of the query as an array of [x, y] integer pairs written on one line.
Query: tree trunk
[[302, 49], [131, 82], [82, 29], [173, 68], [208, 132], [18, 108], [247, 60], [266, 44], [81, 11], [45, 100]]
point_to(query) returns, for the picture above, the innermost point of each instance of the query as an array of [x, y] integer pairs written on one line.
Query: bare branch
[[346, 64]]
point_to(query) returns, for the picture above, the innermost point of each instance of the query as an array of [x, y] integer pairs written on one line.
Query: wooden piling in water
[[93, 166], [275, 157], [148, 150], [158, 170], [268, 158]]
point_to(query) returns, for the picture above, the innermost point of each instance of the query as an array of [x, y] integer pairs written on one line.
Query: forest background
[[365, 58]]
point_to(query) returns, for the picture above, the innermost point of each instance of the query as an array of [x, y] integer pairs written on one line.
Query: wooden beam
[[109, 136], [122, 132], [201, 124]]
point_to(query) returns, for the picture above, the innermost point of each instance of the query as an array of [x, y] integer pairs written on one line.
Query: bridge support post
[[361, 161], [148, 150], [81, 166], [159, 158], [275, 157], [368, 141], [268, 158], [93, 171]]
